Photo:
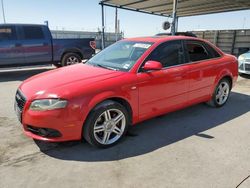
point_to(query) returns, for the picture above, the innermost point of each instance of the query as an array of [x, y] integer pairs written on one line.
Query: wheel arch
[[72, 50], [225, 73], [230, 79], [100, 98], [118, 99]]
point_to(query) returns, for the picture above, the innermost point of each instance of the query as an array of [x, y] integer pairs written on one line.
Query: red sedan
[[128, 82]]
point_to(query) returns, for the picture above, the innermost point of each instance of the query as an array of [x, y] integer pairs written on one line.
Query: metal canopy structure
[[178, 8], [185, 7]]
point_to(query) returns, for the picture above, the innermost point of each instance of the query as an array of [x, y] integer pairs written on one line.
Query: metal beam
[[103, 28], [233, 42], [176, 23], [4, 20], [173, 27]]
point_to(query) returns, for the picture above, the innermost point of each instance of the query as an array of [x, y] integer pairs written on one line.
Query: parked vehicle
[[29, 44], [244, 63], [128, 82]]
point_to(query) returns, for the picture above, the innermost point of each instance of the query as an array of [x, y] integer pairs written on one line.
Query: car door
[[11, 51], [36, 44], [203, 70], [163, 90]]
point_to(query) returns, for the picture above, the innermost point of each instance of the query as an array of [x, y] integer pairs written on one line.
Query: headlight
[[48, 104], [241, 58]]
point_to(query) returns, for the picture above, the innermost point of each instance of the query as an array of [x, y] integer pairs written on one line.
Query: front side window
[[7, 33], [120, 56], [168, 54], [196, 51], [33, 32]]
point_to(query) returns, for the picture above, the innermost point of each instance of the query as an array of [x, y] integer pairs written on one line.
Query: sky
[[85, 15]]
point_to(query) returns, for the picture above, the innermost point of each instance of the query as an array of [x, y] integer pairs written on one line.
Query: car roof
[[163, 38], [159, 39]]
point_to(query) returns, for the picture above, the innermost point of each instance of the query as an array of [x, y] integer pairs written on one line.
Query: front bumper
[[52, 125], [57, 120], [244, 72], [244, 67]]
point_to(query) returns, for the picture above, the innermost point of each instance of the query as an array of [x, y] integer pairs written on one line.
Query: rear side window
[[168, 54], [33, 32], [212, 51], [7, 33], [197, 51]]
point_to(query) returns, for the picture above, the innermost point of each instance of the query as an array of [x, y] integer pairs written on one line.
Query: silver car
[[244, 63]]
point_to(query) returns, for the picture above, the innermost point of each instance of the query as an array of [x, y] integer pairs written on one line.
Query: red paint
[[148, 93]]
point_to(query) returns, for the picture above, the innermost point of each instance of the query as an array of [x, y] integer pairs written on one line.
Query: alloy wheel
[[72, 60], [109, 126], [222, 93]]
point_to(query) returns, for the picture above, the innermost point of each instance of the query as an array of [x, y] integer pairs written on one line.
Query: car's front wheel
[[221, 93], [106, 124]]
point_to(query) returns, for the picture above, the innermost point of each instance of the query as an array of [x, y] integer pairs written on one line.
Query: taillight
[[92, 44]]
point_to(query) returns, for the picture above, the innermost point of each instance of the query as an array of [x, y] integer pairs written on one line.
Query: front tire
[[106, 124], [221, 94]]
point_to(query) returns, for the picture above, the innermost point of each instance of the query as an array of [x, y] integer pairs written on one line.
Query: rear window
[[7, 33], [213, 52], [33, 32], [197, 51]]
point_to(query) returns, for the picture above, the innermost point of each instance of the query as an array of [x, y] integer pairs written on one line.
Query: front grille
[[247, 60], [247, 67], [241, 67], [20, 100]]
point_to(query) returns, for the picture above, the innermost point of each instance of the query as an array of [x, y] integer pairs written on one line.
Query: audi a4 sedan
[[126, 83]]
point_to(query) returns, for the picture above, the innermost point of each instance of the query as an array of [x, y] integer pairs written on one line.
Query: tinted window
[[197, 51], [7, 33], [212, 51], [32, 32], [168, 54]]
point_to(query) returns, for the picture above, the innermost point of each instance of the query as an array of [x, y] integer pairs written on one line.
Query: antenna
[[4, 20]]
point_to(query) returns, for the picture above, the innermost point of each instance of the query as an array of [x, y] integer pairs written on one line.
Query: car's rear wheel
[[71, 59], [106, 124], [221, 93]]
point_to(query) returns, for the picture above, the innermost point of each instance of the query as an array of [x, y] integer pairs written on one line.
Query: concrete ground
[[195, 147]]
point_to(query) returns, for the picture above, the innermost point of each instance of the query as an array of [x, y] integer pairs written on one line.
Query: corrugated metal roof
[[185, 7]]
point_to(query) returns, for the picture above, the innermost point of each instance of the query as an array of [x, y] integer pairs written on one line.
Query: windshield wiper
[[105, 67]]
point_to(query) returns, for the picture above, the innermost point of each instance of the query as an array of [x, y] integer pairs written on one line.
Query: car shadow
[[155, 133], [247, 76], [20, 74]]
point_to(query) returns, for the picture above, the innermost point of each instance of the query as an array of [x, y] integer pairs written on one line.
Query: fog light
[[43, 132]]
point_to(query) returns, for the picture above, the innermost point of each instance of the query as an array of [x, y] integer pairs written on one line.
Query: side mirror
[[152, 65]]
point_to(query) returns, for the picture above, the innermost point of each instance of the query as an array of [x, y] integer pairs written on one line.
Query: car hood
[[43, 84]]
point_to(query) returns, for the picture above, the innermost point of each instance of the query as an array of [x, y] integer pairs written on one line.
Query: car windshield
[[120, 56]]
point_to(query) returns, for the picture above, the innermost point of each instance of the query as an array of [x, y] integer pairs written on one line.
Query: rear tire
[[106, 124], [221, 94], [71, 59]]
